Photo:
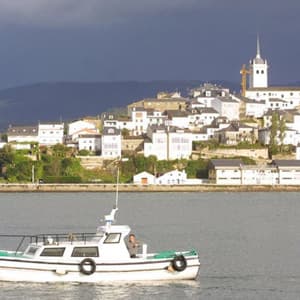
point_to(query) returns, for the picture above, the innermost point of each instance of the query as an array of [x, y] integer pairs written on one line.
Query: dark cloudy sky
[[112, 40]]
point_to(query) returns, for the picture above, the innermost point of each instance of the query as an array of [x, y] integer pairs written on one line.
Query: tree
[[125, 132], [282, 129], [273, 145], [20, 169]]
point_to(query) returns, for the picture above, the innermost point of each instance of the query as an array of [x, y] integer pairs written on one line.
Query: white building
[[168, 143], [111, 143], [254, 108], [144, 178], [225, 171], [172, 177], [201, 117], [209, 91], [89, 142], [260, 90], [140, 121], [79, 125], [232, 171], [291, 137], [177, 118], [258, 70], [50, 134], [156, 117], [111, 120], [22, 134], [227, 107], [180, 143], [288, 171], [75, 136]]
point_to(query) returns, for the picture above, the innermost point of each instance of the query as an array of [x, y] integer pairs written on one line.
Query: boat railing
[[50, 238]]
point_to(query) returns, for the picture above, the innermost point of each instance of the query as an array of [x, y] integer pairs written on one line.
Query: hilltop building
[[275, 96], [163, 101]]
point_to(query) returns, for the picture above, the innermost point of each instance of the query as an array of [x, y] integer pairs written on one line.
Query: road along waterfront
[[81, 187]]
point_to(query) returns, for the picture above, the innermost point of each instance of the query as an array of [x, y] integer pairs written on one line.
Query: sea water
[[248, 243]]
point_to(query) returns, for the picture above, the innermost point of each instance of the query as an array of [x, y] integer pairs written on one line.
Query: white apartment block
[[111, 143], [50, 134], [89, 142], [157, 142], [168, 143]]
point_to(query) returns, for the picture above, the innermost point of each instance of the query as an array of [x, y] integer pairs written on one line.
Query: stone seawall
[[144, 188]]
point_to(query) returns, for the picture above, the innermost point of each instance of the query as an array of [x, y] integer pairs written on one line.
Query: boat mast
[[117, 188]]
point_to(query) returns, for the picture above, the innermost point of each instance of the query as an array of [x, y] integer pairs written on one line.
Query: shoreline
[[145, 188]]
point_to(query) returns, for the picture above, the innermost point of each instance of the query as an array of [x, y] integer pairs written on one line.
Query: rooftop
[[22, 130]]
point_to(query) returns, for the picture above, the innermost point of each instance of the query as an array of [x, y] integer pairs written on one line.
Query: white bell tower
[[258, 70]]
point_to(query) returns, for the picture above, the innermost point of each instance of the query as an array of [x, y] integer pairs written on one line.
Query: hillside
[[69, 100]]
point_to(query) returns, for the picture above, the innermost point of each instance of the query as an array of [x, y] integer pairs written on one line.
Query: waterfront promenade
[[143, 188]]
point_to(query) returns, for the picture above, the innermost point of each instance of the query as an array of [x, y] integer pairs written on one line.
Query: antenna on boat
[[109, 219]]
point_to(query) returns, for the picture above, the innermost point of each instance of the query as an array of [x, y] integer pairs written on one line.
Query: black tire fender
[[179, 263], [87, 262]]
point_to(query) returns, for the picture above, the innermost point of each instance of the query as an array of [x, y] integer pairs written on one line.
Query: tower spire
[[257, 47]]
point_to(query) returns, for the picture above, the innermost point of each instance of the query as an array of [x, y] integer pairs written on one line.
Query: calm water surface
[[249, 243]]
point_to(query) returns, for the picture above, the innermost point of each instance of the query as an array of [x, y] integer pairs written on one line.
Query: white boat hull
[[136, 270]]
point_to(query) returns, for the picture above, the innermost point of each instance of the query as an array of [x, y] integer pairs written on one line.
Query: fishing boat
[[99, 257], [102, 256]]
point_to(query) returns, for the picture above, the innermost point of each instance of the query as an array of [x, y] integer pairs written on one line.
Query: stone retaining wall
[[143, 188]]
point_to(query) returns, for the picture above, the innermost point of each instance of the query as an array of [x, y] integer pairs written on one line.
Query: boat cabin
[[107, 244]]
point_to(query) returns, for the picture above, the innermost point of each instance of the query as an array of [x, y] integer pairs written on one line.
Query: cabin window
[[113, 238], [53, 252], [85, 252]]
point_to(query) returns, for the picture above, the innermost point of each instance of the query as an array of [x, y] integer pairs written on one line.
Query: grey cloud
[[78, 12]]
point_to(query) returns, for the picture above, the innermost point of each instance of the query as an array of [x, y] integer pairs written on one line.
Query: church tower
[[258, 70]]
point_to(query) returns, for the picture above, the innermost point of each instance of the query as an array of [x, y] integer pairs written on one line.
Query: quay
[[145, 188]]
